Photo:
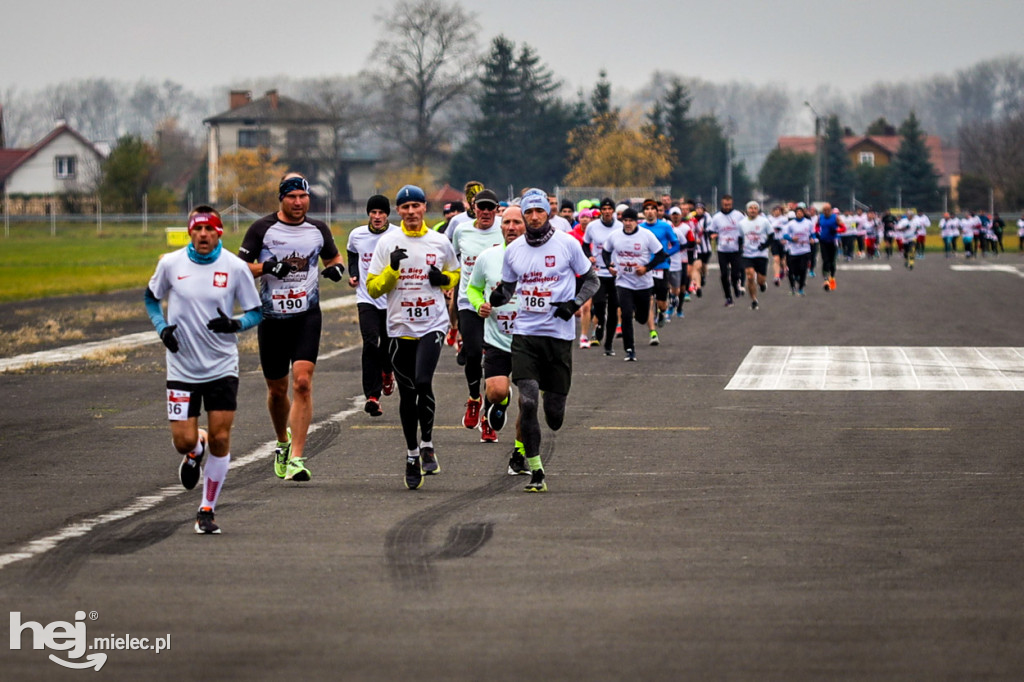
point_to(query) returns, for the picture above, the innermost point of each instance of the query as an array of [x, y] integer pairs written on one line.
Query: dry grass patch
[[37, 334]]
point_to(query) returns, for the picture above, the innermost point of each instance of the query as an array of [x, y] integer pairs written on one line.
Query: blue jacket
[[667, 236], [828, 228]]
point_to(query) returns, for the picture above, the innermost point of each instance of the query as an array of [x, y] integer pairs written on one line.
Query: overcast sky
[[797, 43]]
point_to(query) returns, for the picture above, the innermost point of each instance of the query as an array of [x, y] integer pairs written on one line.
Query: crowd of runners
[[514, 286]]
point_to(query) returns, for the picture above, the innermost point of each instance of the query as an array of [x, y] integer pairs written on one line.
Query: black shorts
[[704, 256], [778, 248], [287, 340], [497, 362], [219, 395], [760, 265], [544, 359], [661, 287]]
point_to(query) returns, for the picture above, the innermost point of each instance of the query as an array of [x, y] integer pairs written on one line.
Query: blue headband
[[290, 185]]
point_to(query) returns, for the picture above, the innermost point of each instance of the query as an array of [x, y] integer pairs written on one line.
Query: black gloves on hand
[[436, 277], [277, 268], [167, 336], [334, 272], [397, 256], [566, 309], [223, 324]]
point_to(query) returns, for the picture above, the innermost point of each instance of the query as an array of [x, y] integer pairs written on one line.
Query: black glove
[[334, 272], [397, 256], [436, 277], [566, 309], [223, 324], [167, 336], [277, 268]]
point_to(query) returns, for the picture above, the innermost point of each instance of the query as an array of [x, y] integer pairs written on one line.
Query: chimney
[[239, 98], [272, 96]]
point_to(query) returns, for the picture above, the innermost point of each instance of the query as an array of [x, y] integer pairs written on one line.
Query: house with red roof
[[62, 163]]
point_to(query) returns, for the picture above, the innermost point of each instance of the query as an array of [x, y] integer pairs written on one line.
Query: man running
[[412, 265], [632, 255], [377, 375], [725, 229], [798, 234], [470, 239], [540, 270], [282, 249], [605, 305], [499, 325], [670, 242], [830, 227], [757, 238], [200, 283]]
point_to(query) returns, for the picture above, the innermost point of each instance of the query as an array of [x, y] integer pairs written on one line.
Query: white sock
[[426, 443], [214, 473], [413, 454], [197, 451]]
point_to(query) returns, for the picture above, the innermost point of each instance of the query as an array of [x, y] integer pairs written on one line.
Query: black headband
[[290, 185]]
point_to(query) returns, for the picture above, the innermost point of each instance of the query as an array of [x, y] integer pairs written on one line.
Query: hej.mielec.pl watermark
[[71, 638]]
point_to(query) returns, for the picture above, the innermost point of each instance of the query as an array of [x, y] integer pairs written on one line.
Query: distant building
[[879, 150], [61, 164], [301, 136]]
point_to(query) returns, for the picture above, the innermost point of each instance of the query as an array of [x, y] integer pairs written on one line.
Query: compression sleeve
[[607, 256], [476, 296], [659, 257], [155, 312], [586, 250], [250, 319], [502, 294], [378, 285], [353, 264], [589, 286]]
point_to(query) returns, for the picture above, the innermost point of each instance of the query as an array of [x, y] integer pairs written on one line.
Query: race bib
[[177, 404], [505, 322], [728, 241], [658, 274], [534, 299], [289, 301], [419, 308]]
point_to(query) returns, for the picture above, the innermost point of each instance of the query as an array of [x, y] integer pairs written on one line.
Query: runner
[[605, 306], [670, 242], [632, 254], [830, 228], [470, 239], [725, 230], [678, 275], [699, 223], [499, 323], [377, 375], [798, 234], [1020, 233], [200, 282], [412, 265], [579, 230], [757, 237], [907, 232], [778, 221], [889, 223], [282, 249], [949, 230], [541, 269]]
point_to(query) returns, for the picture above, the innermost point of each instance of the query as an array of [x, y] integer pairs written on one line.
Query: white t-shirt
[[596, 235], [194, 292], [799, 233], [362, 241], [727, 227], [630, 251], [469, 242], [1020, 227], [545, 276], [415, 306], [560, 223], [500, 324], [456, 220], [755, 236], [679, 259]]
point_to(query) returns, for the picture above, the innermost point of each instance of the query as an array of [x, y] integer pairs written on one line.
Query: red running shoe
[[487, 434], [452, 334], [387, 383], [472, 416]]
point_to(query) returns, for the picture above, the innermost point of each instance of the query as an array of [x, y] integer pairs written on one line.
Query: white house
[[62, 162]]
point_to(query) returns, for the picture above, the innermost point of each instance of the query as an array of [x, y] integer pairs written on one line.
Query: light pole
[[817, 149]]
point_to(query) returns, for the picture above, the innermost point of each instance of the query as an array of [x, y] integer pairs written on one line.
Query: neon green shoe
[[297, 470], [281, 453]]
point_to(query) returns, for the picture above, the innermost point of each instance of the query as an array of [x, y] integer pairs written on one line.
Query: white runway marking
[[879, 267], [879, 368], [1011, 269], [128, 342], [143, 503]]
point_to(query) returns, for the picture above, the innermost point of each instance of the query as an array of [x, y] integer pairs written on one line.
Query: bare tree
[[422, 67]]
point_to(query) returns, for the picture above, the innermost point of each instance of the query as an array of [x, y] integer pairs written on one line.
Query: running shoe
[[754, 305], [609, 354], [487, 434], [430, 464], [281, 454], [536, 484], [204, 522], [800, 292], [686, 298], [190, 467], [832, 283], [630, 355], [763, 286], [700, 292], [661, 319], [496, 413], [372, 407], [584, 342], [728, 303], [460, 357], [778, 281], [692, 288], [598, 334], [453, 334], [827, 286], [413, 473], [810, 273], [387, 383], [517, 464], [594, 342], [297, 470], [472, 416], [654, 338], [618, 332]]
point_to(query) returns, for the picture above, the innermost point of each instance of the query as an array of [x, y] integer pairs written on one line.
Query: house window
[[867, 158], [253, 138], [302, 142], [64, 167]]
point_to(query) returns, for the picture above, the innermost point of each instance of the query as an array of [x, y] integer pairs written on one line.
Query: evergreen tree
[[912, 169], [837, 175], [787, 174]]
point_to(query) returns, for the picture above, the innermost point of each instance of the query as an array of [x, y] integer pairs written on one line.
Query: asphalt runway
[[690, 532]]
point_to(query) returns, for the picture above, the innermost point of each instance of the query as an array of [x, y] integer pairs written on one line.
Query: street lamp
[[818, 151]]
